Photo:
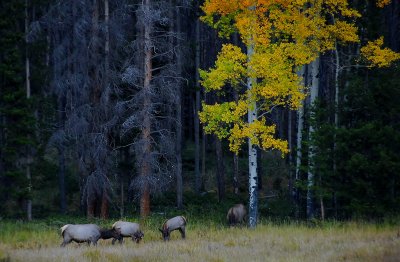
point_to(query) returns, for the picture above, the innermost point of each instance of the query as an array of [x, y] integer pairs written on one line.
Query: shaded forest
[[99, 105]]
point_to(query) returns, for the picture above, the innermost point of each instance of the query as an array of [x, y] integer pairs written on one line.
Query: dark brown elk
[[175, 223], [110, 233], [236, 214], [128, 229]]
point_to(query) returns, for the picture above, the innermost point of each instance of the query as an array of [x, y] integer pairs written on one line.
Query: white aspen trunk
[[203, 153], [299, 141], [28, 96], [290, 156], [310, 175], [337, 71], [300, 124], [253, 179]]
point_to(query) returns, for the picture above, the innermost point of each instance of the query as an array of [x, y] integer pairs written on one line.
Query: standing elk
[[236, 214], [175, 223], [89, 233]]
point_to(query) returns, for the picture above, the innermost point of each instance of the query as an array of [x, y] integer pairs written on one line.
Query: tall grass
[[208, 240]]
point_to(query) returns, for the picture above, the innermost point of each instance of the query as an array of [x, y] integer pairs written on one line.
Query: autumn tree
[[280, 36]]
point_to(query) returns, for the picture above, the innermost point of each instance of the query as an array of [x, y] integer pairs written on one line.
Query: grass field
[[209, 241]]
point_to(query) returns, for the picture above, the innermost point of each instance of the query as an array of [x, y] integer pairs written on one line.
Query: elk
[[236, 214], [175, 223], [89, 233], [128, 229]]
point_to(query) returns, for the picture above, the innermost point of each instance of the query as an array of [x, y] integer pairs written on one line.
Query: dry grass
[[345, 242]]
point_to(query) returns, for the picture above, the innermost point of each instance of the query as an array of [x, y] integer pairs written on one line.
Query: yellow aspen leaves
[[382, 3], [376, 55], [230, 68], [284, 35]]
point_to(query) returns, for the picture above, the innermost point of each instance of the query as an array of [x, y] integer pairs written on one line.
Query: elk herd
[[91, 233]]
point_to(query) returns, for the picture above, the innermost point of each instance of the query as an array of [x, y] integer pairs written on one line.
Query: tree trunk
[[253, 179], [104, 212], [321, 200], [336, 117], [236, 156], [220, 169], [178, 105], [236, 174], [90, 207], [28, 96], [104, 205], [61, 179], [145, 169], [122, 197], [203, 153], [290, 155], [106, 43], [197, 106], [311, 175], [299, 139]]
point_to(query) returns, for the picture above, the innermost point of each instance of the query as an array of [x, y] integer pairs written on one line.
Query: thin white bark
[[299, 140], [310, 175], [337, 71], [300, 124], [253, 179]]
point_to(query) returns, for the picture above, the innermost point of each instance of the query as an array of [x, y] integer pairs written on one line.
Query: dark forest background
[[98, 117]]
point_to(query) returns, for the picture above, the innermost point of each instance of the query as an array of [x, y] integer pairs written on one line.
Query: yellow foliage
[[285, 35], [229, 68], [382, 3], [378, 56]]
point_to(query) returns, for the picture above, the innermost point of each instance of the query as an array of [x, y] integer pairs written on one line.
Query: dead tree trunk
[[145, 169]]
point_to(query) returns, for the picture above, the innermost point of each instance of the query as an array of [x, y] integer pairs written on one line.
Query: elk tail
[[63, 228], [184, 219]]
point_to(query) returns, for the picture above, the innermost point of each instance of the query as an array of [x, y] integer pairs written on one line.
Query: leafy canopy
[[285, 35], [377, 55]]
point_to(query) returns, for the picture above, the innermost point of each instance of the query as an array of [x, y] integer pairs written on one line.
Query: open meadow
[[210, 241]]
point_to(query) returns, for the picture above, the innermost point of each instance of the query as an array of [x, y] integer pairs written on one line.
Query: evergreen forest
[[131, 108]]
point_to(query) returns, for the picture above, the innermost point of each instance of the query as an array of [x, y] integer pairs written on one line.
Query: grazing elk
[[128, 229], [236, 214], [89, 233], [110, 233], [175, 223]]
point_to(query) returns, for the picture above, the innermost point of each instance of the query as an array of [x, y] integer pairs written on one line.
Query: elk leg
[[182, 230]]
